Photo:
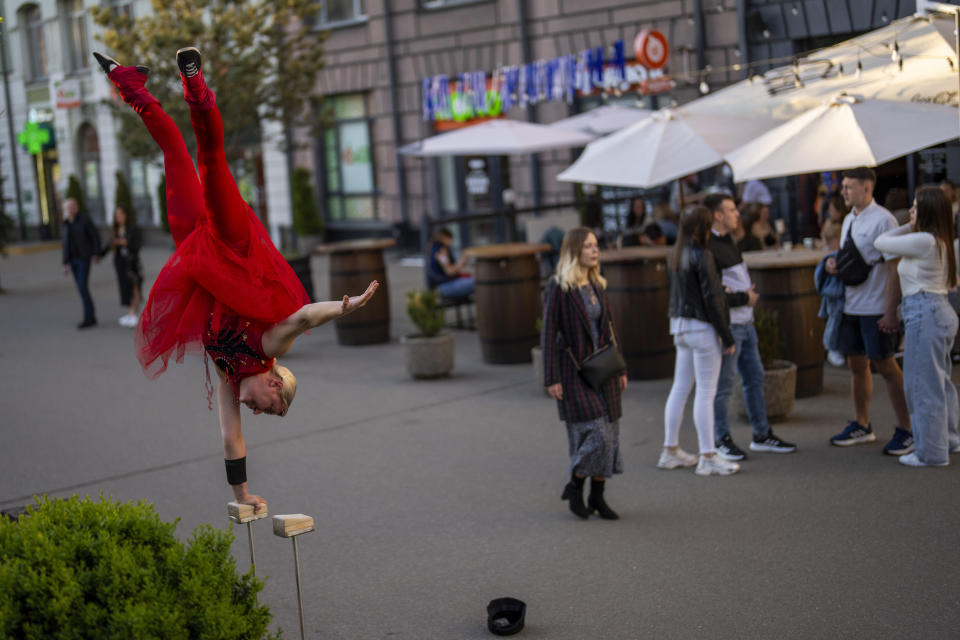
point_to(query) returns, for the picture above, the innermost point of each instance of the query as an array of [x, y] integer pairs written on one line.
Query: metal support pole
[[21, 217], [296, 563], [253, 559]]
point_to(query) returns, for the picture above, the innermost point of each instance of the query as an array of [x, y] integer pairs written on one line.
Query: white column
[[276, 178]]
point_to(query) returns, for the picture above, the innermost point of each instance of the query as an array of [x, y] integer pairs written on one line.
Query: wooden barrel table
[[353, 264], [639, 293], [508, 300], [784, 280]]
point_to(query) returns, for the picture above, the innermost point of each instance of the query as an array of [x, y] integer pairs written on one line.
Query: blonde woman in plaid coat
[[576, 322]]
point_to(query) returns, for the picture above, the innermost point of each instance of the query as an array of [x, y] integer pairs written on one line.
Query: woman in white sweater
[[927, 271]]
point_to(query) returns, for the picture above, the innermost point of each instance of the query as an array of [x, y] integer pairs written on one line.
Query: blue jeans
[[931, 325], [81, 275], [746, 360], [458, 288]]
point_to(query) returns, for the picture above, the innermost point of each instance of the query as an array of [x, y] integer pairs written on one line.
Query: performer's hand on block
[[245, 512]]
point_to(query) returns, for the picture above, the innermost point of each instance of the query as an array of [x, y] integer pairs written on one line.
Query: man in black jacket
[[746, 358], [81, 243]]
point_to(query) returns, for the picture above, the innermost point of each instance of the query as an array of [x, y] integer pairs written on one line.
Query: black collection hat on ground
[[505, 616]]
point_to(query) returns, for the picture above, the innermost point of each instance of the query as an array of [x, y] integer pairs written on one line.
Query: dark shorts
[[859, 335]]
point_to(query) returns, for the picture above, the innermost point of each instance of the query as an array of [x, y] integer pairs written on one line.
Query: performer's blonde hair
[[289, 389], [568, 266]]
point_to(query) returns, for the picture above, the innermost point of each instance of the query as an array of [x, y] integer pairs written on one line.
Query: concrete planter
[[779, 389], [428, 357]]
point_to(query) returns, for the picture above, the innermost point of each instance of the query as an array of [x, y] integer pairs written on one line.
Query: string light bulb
[[704, 87], [895, 52]]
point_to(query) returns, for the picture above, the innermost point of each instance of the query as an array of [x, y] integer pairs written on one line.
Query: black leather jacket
[[696, 292]]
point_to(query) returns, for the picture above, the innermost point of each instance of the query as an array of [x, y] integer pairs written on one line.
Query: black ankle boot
[[574, 493], [596, 502]]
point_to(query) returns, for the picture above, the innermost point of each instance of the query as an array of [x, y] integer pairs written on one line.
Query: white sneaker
[[836, 358], [911, 460], [122, 320], [675, 460], [716, 466], [128, 320]]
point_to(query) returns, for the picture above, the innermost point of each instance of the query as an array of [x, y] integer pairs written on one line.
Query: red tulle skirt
[[207, 284]]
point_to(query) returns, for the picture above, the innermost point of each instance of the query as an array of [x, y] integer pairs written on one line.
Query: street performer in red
[[226, 291]]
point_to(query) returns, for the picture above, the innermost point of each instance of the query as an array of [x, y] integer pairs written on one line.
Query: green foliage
[[75, 191], [423, 310], [306, 215], [124, 198], [162, 200], [72, 569], [262, 59], [767, 323], [6, 231]]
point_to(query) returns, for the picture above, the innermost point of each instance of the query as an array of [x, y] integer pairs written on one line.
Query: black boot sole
[[108, 64], [186, 57]]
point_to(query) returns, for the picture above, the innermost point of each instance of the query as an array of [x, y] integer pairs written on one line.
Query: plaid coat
[[566, 325]]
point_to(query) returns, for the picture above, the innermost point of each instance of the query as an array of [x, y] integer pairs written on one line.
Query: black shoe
[[188, 59], [87, 323], [108, 64], [727, 450], [596, 502], [574, 493], [772, 444]]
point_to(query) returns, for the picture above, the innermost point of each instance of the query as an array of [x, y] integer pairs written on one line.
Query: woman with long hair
[[576, 322], [699, 322], [928, 270], [226, 291], [125, 243]]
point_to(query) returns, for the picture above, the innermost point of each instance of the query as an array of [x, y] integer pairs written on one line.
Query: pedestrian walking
[[869, 327], [745, 359], [927, 270], [576, 323], [226, 291], [81, 245], [699, 322], [125, 241]]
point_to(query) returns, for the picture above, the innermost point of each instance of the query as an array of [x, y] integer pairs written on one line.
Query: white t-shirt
[[922, 268], [870, 297]]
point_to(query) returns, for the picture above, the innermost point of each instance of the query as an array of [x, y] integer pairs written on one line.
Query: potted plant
[[428, 354], [780, 376]]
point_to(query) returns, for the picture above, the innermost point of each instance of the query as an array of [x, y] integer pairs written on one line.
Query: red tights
[[214, 193]]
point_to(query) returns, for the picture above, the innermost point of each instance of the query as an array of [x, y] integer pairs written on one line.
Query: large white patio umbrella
[[602, 120], [847, 131], [670, 144], [497, 138]]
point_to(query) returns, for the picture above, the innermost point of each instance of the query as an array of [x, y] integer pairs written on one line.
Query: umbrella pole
[[680, 195]]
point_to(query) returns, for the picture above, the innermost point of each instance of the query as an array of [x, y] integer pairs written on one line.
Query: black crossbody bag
[[852, 269], [602, 364]]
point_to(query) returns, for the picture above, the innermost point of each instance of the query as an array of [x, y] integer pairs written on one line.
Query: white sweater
[[922, 268]]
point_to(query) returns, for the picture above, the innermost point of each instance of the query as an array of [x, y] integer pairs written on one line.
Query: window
[[347, 161], [74, 20], [443, 4], [122, 8], [34, 51], [333, 12]]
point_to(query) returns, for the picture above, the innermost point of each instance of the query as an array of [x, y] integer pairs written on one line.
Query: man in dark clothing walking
[[81, 243], [746, 358]]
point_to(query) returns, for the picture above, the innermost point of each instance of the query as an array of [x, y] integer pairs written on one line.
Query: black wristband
[[236, 470]]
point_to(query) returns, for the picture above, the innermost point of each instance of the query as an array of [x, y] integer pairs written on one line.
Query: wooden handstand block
[[241, 513], [290, 525]]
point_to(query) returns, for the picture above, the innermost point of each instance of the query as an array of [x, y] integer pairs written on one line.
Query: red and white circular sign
[[651, 49]]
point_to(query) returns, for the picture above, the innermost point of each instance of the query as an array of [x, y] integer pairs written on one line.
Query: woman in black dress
[[125, 240]]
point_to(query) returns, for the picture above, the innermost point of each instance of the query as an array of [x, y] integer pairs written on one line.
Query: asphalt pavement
[[433, 497]]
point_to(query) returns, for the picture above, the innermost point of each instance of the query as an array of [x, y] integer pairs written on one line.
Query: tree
[[124, 199], [262, 59], [75, 191]]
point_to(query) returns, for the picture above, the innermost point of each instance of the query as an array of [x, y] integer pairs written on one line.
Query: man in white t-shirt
[[868, 329]]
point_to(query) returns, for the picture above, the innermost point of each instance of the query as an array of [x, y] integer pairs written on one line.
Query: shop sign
[[67, 93], [36, 137], [479, 94]]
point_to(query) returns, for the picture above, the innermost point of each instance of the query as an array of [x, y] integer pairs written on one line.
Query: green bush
[[82, 569], [307, 220], [75, 191], [767, 323], [124, 198], [422, 309]]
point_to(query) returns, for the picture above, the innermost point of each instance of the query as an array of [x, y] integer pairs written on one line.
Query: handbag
[[852, 269], [602, 364]]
